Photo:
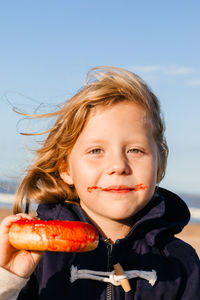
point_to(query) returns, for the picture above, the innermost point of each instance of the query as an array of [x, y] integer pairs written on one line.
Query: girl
[[100, 164]]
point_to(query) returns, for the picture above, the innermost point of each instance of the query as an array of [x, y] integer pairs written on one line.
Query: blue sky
[[47, 47]]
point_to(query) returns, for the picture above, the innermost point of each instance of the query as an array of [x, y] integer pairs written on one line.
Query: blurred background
[[47, 47]]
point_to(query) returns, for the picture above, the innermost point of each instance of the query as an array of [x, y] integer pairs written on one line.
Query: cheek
[[83, 178], [88, 170], [148, 174], [149, 167]]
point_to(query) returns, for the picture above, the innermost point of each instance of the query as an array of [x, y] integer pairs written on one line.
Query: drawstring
[[111, 277]]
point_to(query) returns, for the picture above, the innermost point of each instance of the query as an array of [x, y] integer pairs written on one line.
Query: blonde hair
[[104, 86]]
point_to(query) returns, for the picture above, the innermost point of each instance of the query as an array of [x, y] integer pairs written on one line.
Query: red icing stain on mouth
[[90, 188], [138, 187], [135, 188]]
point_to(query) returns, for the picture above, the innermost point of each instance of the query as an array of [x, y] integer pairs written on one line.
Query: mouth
[[121, 189], [118, 189]]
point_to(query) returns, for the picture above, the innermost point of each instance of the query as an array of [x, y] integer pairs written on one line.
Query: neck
[[112, 229]]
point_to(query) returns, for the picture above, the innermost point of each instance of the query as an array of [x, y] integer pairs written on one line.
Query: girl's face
[[113, 164]]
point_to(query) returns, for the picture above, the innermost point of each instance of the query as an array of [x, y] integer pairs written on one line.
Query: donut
[[54, 235]]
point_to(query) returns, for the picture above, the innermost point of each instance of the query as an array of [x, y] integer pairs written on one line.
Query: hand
[[19, 262]]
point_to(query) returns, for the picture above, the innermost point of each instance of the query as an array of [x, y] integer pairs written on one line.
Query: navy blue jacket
[[149, 245]]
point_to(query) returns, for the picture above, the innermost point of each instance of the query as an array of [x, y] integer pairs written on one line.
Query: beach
[[190, 234]]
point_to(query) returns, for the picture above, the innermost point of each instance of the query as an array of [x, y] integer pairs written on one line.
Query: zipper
[[109, 267]]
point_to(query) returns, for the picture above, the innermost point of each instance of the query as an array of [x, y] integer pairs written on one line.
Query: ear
[[65, 174]]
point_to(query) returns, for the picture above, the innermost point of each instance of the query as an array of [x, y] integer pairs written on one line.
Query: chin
[[123, 216], [127, 213]]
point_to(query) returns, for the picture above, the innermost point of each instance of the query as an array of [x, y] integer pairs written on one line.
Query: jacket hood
[[165, 214]]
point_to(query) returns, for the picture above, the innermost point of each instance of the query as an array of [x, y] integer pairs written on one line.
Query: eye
[[135, 151], [96, 151]]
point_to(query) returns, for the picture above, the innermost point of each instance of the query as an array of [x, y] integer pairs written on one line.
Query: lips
[[118, 189], [121, 189]]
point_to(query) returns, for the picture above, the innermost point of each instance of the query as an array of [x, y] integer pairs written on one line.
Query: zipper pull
[[124, 282]]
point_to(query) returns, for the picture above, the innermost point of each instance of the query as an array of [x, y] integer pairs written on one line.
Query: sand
[[190, 234]]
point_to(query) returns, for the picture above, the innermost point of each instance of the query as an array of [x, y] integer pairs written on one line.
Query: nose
[[118, 164]]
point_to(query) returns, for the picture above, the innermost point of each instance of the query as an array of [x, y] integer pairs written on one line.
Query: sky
[[47, 47]]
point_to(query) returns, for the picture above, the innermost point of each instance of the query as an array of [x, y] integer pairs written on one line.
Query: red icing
[[138, 187], [90, 188]]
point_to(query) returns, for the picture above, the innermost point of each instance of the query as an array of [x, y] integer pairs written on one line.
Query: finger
[[37, 255], [7, 222]]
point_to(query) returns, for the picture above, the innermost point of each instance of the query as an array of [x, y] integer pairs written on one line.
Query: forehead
[[117, 111], [121, 116]]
